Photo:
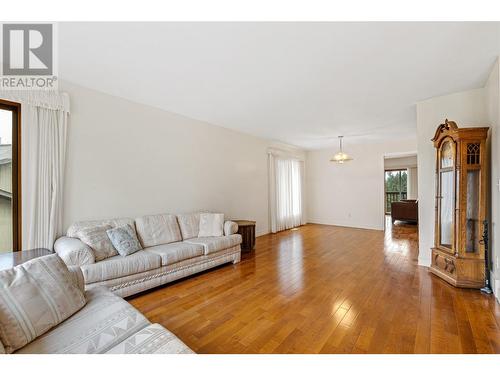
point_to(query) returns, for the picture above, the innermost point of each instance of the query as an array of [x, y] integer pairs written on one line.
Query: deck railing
[[393, 196]]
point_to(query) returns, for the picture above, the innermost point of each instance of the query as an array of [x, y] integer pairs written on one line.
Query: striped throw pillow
[[34, 297]]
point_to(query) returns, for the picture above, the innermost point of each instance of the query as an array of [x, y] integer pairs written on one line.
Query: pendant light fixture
[[340, 157]]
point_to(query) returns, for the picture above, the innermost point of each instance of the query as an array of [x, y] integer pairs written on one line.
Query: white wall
[[350, 194], [492, 107], [126, 159], [412, 183], [467, 109], [400, 162]]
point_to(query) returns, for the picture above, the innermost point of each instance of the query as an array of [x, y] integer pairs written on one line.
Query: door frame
[[15, 108], [391, 155]]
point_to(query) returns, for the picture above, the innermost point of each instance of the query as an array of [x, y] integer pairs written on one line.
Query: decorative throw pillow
[[124, 240], [211, 225], [98, 240], [34, 297]]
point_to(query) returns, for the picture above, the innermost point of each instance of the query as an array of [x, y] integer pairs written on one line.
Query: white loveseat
[[171, 250], [107, 324], [63, 318]]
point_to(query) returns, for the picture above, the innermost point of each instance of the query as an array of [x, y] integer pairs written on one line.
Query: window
[[9, 177], [396, 188]]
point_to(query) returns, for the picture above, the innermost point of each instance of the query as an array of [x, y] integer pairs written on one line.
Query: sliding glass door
[[9, 177], [396, 187]]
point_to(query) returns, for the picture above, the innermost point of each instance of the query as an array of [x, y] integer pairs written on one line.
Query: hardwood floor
[[326, 289]]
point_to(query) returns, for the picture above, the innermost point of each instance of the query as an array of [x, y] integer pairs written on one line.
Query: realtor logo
[[27, 49], [28, 56]]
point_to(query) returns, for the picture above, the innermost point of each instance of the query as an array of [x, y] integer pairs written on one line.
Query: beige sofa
[[171, 250], [105, 324]]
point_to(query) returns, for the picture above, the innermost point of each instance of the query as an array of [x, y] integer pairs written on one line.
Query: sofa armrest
[[73, 251], [230, 227], [77, 276]]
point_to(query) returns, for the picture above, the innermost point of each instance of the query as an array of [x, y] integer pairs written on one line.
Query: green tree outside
[[396, 183]]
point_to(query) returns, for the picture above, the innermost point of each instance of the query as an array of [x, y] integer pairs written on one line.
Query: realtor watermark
[[28, 56]]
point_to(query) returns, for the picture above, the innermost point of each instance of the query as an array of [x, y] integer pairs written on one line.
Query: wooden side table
[[14, 258], [247, 230]]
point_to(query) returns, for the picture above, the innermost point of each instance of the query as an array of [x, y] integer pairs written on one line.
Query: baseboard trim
[[424, 262], [344, 224], [261, 233]]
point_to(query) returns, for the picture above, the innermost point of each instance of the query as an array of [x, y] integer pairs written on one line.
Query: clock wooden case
[[461, 204]]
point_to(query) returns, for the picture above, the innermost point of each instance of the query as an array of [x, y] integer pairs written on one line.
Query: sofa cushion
[[105, 321], [119, 266], [97, 239], [157, 230], [124, 239], [154, 339], [34, 297], [214, 244], [176, 251], [211, 225], [189, 225], [75, 227]]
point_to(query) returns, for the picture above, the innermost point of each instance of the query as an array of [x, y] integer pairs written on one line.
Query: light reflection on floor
[[401, 237], [290, 258]]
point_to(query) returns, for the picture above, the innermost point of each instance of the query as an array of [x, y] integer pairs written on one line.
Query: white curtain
[[44, 125], [286, 192]]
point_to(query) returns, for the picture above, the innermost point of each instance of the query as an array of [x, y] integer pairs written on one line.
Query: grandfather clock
[[461, 185]]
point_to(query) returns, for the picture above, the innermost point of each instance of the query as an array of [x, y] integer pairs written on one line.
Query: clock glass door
[[446, 195]]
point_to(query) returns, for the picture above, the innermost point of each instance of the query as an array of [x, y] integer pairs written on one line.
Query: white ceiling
[[299, 83]]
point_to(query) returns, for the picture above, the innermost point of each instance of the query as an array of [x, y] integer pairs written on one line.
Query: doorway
[[401, 203]]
